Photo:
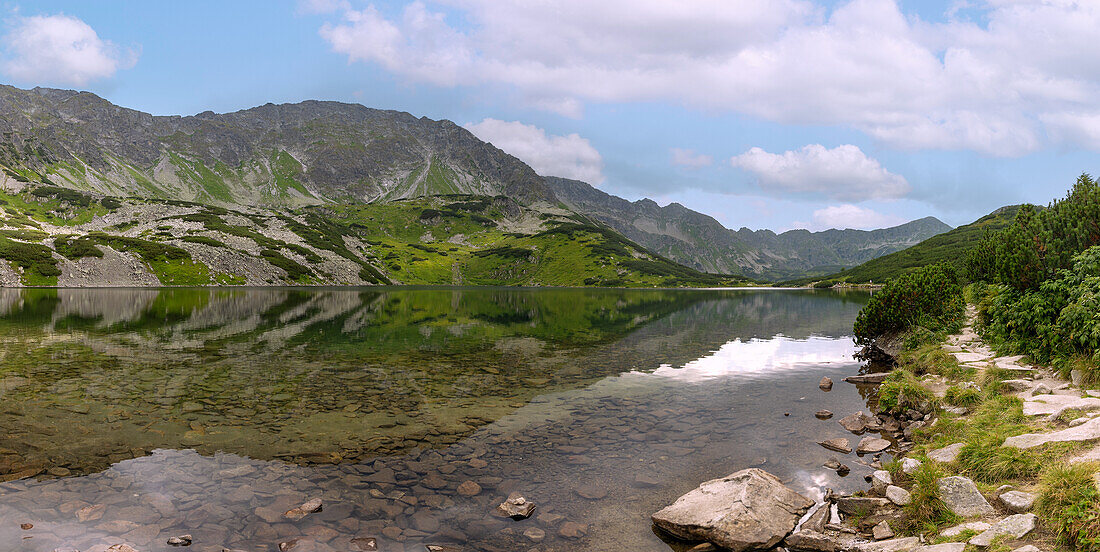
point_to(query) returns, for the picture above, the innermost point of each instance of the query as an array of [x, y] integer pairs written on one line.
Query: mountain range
[[316, 155]]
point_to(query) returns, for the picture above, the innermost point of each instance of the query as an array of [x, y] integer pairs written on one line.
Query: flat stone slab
[[1087, 431], [1016, 525], [1092, 455], [1052, 405], [970, 357], [947, 454], [871, 445], [892, 545], [978, 526], [839, 444], [945, 547], [962, 497]]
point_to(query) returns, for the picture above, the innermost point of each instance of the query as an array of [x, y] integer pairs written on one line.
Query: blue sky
[[762, 113]]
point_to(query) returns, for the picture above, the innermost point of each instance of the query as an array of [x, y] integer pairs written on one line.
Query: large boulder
[[747, 510]]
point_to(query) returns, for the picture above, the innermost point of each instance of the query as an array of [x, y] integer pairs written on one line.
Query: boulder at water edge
[[747, 510]]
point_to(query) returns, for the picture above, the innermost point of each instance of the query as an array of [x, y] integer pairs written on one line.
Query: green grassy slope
[[949, 247], [47, 232]]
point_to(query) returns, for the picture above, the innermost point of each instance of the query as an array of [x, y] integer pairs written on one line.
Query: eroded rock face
[[747, 510]]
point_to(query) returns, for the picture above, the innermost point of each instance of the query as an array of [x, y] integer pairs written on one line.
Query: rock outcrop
[[747, 510]]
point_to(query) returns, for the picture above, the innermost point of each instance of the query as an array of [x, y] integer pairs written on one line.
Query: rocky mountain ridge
[[331, 153], [701, 242]]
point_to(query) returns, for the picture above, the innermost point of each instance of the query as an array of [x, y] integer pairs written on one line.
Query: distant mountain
[[950, 247], [699, 241], [290, 154], [316, 153]]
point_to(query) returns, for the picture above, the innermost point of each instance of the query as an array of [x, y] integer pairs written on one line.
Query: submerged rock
[[182, 540], [823, 414], [839, 444], [747, 510], [516, 507], [305, 509]]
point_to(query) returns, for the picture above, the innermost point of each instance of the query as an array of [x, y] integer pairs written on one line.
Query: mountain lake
[[135, 415]]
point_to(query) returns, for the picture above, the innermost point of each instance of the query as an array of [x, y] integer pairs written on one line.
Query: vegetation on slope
[[451, 239], [950, 247]]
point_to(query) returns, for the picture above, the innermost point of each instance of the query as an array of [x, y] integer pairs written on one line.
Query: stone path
[[1046, 397]]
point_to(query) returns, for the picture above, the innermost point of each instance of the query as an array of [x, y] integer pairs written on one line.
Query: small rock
[[826, 383], [534, 534], [182, 540], [910, 466], [832, 463], [286, 546], [1076, 376], [871, 445], [591, 492], [26, 526], [121, 548], [882, 531], [516, 507], [843, 470], [1041, 389], [1017, 385], [947, 454], [898, 495], [469, 488], [645, 481], [823, 414], [1016, 525], [1017, 502], [305, 509], [962, 497], [859, 422], [572, 530], [880, 479], [839, 444], [365, 544]]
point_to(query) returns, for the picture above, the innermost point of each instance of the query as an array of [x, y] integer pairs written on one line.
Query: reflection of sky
[[758, 356]]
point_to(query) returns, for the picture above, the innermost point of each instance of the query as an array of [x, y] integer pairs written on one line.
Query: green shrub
[[204, 240], [507, 252], [295, 272], [902, 391], [926, 512], [75, 248], [37, 261], [930, 297]]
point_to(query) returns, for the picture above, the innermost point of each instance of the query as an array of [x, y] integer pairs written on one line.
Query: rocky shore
[[752, 510]]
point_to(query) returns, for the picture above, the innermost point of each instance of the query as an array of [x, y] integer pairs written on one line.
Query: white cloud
[[849, 216], [843, 173], [567, 156], [688, 158], [991, 86], [60, 49]]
